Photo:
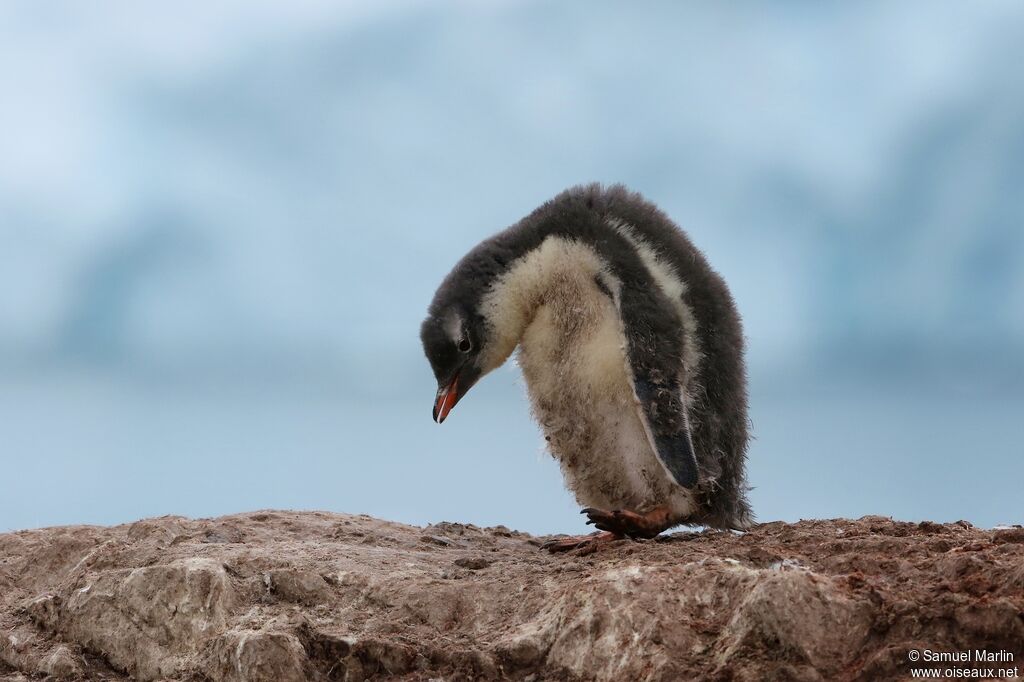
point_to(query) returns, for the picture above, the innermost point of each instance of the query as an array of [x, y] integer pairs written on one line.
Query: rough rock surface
[[282, 596]]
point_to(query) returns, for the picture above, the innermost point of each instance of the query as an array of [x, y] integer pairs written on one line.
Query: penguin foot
[[585, 543], [627, 523]]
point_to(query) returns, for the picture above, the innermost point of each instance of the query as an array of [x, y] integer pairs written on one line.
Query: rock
[[149, 621], [473, 563], [1008, 535], [247, 656], [298, 586], [798, 612], [278, 595], [45, 611], [160, 531], [61, 664]]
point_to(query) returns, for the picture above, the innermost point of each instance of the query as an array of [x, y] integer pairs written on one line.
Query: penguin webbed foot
[[586, 544], [630, 524]]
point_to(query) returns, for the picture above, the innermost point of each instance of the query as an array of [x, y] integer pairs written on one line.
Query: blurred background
[[221, 224]]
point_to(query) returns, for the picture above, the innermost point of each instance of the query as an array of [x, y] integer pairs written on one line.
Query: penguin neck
[[513, 299]]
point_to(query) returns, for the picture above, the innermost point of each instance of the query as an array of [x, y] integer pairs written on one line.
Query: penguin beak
[[447, 396]]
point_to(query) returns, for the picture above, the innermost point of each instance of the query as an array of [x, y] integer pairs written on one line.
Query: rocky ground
[[281, 596]]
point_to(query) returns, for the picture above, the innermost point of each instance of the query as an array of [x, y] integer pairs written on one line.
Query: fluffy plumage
[[630, 344]]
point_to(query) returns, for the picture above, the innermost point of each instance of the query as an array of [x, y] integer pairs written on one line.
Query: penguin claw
[[613, 525], [623, 522]]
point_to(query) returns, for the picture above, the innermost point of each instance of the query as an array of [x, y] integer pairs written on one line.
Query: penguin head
[[453, 341]]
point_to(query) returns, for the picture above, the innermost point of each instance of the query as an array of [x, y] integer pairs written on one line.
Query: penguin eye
[[465, 346]]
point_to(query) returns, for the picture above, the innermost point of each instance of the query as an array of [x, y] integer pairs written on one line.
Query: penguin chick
[[632, 351]]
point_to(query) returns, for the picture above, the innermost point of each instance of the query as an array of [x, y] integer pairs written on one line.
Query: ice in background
[[220, 226]]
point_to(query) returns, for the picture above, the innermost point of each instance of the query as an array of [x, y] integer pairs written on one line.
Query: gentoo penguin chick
[[632, 351]]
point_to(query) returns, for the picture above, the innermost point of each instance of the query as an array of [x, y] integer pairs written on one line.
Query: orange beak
[[447, 396]]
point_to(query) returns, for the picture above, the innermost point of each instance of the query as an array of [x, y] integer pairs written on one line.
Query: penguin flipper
[[654, 363]]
